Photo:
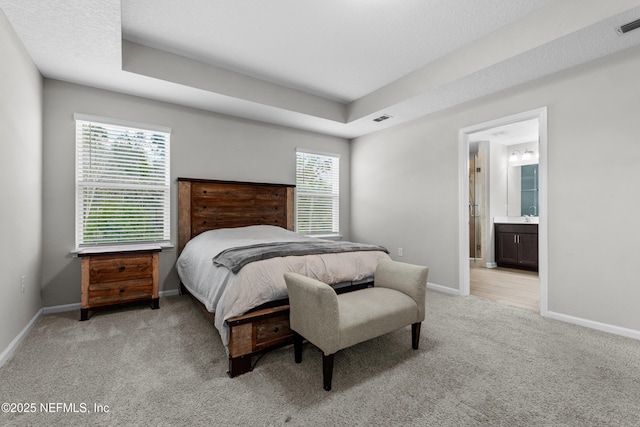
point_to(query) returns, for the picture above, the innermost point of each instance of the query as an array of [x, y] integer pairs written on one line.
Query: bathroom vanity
[[516, 242]]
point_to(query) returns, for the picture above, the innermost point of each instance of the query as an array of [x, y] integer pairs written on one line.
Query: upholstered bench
[[333, 322]]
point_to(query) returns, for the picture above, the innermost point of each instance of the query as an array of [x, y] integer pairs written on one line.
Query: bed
[[247, 303]]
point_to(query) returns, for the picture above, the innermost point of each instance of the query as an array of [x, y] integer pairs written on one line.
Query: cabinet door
[[507, 248], [528, 250]]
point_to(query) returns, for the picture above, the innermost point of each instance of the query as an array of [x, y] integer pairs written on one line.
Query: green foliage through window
[[122, 181]]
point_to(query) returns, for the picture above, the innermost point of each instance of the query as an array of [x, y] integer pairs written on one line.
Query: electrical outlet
[[400, 252], [22, 283]]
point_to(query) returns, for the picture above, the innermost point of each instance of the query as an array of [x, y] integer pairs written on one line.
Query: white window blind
[[122, 182], [317, 193]]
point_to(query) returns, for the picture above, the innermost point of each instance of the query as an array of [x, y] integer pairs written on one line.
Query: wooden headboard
[[211, 204]]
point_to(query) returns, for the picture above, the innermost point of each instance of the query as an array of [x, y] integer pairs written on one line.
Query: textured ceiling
[[328, 67], [338, 49]]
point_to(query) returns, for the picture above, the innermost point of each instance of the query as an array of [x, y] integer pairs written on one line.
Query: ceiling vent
[[382, 117], [629, 27]]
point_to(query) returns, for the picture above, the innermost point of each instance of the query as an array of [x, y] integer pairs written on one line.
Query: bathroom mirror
[[522, 190]]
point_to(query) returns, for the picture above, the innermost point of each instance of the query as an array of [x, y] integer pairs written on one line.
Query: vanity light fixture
[[527, 155]]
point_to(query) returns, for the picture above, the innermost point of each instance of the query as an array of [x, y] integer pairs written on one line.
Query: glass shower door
[[475, 229]]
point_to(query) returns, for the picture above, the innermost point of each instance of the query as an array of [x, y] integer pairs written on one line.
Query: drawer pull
[[276, 329], [121, 290], [121, 269]]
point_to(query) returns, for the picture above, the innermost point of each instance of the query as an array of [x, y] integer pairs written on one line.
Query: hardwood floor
[[519, 288]]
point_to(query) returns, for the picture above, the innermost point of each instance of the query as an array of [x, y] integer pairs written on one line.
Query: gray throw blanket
[[237, 257]]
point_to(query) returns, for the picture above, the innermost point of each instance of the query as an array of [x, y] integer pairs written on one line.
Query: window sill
[[332, 236], [92, 250]]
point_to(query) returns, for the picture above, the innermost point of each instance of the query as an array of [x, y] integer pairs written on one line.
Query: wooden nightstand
[[118, 275]]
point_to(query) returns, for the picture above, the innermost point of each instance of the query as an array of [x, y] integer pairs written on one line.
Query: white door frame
[[463, 197]]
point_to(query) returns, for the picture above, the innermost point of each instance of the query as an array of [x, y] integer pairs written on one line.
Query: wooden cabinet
[[517, 245], [118, 276]]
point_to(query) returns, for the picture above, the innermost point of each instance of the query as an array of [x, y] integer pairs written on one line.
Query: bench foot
[[415, 335], [327, 370], [297, 347]]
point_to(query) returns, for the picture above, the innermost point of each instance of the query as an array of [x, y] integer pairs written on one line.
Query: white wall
[[203, 145], [21, 189], [405, 186], [497, 192]]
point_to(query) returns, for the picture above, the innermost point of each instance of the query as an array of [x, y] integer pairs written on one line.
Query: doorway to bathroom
[[503, 180]]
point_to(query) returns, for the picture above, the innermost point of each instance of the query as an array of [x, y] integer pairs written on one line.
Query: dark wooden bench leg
[[415, 335], [327, 370], [297, 347]]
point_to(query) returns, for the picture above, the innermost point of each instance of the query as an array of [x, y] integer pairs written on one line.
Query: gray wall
[[21, 189], [203, 145], [405, 186]]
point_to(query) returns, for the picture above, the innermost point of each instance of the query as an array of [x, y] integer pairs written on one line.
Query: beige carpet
[[479, 363]]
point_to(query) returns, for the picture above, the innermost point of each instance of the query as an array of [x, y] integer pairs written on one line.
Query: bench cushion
[[371, 312]]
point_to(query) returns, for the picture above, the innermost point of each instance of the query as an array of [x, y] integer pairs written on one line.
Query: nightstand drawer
[[118, 292], [109, 268]]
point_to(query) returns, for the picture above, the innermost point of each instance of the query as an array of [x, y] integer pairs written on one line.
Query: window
[[318, 193], [122, 182]]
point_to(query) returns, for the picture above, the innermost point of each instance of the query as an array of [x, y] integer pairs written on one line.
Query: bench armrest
[[313, 311], [406, 278]]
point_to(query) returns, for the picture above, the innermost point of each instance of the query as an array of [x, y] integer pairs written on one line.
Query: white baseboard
[[11, 349], [171, 293], [445, 289], [77, 306], [61, 308], [492, 265], [617, 330]]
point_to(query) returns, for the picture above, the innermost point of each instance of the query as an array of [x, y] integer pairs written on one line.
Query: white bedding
[[229, 295]]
